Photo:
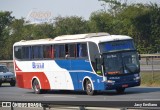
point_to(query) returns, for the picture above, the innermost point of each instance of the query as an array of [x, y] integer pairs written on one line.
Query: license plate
[[125, 85]]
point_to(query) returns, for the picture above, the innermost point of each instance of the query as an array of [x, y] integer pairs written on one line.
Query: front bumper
[[111, 86], [7, 80]]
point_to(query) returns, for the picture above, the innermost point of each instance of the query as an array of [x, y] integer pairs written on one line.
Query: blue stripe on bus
[[80, 64], [79, 69]]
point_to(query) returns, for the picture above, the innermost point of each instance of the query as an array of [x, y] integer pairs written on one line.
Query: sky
[[81, 8]]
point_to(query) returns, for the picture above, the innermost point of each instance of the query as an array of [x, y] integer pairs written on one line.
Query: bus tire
[[120, 90], [36, 87], [89, 89]]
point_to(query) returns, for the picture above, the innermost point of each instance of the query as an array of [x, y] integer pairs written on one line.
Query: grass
[[150, 79]]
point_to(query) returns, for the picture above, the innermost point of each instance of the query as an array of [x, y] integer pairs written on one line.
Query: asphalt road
[[132, 96], [143, 94]]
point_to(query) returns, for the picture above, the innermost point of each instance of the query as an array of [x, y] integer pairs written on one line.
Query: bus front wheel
[[36, 87], [89, 88]]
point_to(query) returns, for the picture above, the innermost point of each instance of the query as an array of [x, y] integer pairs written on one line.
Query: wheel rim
[[89, 87], [36, 86]]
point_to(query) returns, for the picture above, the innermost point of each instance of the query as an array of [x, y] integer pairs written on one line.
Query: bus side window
[[72, 50], [56, 51], [26, 52], [59, 51], [18, 52], [48, 51], [52, 52], [67, 51], [82, 50], [37, 52]]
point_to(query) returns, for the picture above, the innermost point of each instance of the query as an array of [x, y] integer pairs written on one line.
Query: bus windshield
[[121, 63], [114, 46]]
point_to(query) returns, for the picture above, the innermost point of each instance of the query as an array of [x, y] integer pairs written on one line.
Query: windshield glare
[[121, 63]]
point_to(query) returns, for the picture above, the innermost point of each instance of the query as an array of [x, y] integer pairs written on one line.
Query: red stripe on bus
[[24, 79]]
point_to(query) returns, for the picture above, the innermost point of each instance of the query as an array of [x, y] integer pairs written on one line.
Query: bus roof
[[93, 37], [80, 36]]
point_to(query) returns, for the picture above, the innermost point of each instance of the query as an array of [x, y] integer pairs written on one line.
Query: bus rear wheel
[[89, 89], [36, 87]]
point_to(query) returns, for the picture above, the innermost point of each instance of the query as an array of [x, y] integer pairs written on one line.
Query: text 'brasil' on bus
[[86, 62]]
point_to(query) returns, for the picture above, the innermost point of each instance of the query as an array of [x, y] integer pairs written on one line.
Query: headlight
[[110, 82], [137, 78]]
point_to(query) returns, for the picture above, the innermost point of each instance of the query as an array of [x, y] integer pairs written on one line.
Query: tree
[[136, 23], [15, 34], [115, 6], [70, 25], [101, 22], [42, 31], [5, 21], [155, 27]]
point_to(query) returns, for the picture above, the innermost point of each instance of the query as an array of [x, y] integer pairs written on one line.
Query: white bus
[[88, 62]]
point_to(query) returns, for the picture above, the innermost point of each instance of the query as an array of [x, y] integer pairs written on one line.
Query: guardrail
[[7, 62], [150, 55]]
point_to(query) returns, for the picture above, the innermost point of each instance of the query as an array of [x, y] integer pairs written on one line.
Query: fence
[[150, 62]]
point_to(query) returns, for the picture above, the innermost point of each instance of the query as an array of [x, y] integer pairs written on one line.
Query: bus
[[82, 62]]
